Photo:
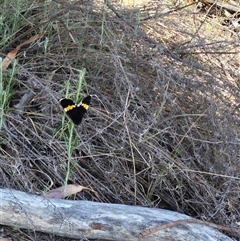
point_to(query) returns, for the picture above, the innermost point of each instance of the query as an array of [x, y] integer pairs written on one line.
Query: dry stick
[[24, 99], [151, 41], [209, 52], [60, 13], [183, 222], [223, 4], [111, 7], [170, 11], [139, 32]]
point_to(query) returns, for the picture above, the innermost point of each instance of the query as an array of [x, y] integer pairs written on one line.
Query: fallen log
[[228, 5], [102, 221]]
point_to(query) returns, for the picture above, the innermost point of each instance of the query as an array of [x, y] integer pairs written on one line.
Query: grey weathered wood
[[92, 220], [231, 6]]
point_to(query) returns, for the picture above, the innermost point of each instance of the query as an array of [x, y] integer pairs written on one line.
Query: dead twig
[[183, 223]]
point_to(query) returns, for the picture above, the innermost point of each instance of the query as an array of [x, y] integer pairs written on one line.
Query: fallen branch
[[93, 220], [233, 6], [183, 223]]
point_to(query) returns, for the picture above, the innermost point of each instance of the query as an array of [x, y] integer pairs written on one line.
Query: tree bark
[[92, 220]]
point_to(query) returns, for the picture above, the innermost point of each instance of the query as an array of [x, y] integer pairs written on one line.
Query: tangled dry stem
[[162, 130]]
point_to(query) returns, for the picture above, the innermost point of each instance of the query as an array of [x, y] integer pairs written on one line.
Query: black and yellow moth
[[76, 112]]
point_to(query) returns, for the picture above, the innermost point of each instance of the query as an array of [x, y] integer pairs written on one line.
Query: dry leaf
[[8, 59], [32, 39], [5, 239], [50, 75], [65, 191], [12, 54]]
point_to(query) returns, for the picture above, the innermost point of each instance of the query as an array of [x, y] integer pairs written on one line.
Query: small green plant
[[69, 135], [6, 89]]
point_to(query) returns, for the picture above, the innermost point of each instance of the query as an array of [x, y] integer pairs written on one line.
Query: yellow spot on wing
[[70, 107], [85, 106]]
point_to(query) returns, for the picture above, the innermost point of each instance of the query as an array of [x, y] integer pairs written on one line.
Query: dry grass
[[163, 130]]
